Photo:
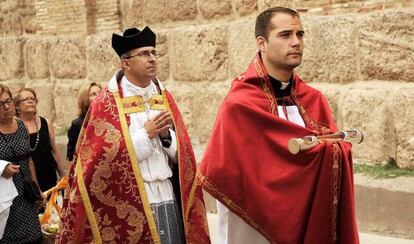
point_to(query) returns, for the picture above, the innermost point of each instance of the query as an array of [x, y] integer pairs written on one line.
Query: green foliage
[[387, 171]]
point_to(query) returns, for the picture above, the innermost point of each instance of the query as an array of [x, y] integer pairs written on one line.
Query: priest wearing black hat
[[134, 177]]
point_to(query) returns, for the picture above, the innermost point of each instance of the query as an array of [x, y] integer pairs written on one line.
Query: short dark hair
[[263, 24]]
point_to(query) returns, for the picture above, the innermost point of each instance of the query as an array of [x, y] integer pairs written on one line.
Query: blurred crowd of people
[[28, 151]]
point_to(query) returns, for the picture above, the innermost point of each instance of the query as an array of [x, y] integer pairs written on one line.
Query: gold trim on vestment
[[137, 173], [336, 188], [87, 203], [185, 215], [136, 104]]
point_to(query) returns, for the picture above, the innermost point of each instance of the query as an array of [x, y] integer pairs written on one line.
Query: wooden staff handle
[[295, 145]]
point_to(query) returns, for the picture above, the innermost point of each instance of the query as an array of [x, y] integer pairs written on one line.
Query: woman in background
[[19, 222], [85, 97], [43, 148]]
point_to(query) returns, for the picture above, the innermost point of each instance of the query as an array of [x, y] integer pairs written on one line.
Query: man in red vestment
[[266, 194], [134, 177]]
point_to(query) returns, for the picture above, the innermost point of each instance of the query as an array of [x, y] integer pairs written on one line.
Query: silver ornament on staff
[[295, 145]]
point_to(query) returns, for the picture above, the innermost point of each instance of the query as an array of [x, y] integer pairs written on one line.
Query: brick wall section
[[102, 15], [330, 7], [360, 54], [61, 17], [10, 21]]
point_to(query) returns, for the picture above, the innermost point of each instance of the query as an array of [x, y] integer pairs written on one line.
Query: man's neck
[[138, 82], [279, 74]]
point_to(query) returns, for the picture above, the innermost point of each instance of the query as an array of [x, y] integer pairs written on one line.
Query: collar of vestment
[[140, 99]]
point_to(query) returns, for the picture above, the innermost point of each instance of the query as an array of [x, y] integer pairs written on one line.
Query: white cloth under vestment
[[153, 158]]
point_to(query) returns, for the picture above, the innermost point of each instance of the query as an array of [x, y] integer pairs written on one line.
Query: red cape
[[107, 200], [303, 198]]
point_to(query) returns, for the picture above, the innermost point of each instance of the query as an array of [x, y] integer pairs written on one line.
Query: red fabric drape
[[111, 184], [303, 198]]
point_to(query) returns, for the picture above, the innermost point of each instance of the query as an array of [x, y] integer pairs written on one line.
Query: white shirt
[[8, 190], [151, 155]]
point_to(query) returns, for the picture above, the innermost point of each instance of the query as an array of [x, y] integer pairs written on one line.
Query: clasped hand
[[159, 125]]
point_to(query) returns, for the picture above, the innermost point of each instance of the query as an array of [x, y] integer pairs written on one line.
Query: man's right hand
[[159, 123], [10, 170]]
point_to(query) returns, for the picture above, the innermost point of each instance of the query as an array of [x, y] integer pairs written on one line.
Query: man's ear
[[261, 43], [125, 64]]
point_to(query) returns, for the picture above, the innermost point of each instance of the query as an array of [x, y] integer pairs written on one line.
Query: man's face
[[284, 45], [142, 63]]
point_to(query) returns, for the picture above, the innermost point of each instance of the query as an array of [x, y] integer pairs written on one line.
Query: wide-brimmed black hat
[[132, 38]]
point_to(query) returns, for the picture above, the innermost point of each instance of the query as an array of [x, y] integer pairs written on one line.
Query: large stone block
[[44, 92], [384, 206], [102, 61], [242, 46], [10, 21], [386, 45], [66, 107], [215, 8], [176, 10], [136, 12], [329, 49], [13, 85], [365, 107], [131, 13], [199, 54], [245, 7], [403, 113], [199, 103], [102, 16], [67, 57], [11, 58], [27, 13], [61, 17], [265, 4], [163, 68], [36, 57], [333, 93]]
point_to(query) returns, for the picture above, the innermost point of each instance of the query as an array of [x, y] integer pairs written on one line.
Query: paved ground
[[364, 238]]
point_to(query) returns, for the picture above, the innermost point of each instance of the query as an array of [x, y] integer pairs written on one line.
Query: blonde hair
[[18, 97], [83, 98]]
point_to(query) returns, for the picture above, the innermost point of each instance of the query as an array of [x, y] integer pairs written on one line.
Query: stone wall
[[360, 54]]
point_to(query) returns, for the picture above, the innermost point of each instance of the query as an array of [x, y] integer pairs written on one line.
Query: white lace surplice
[[152, 156]]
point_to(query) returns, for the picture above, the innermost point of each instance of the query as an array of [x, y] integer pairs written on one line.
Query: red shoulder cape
[[107, 202], [303, 198]]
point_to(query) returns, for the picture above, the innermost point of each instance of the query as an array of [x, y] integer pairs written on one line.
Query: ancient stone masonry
[[359, 53], [61, 17]]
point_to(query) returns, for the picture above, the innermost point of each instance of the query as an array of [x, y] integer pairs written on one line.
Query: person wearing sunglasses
[[134, 176]]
